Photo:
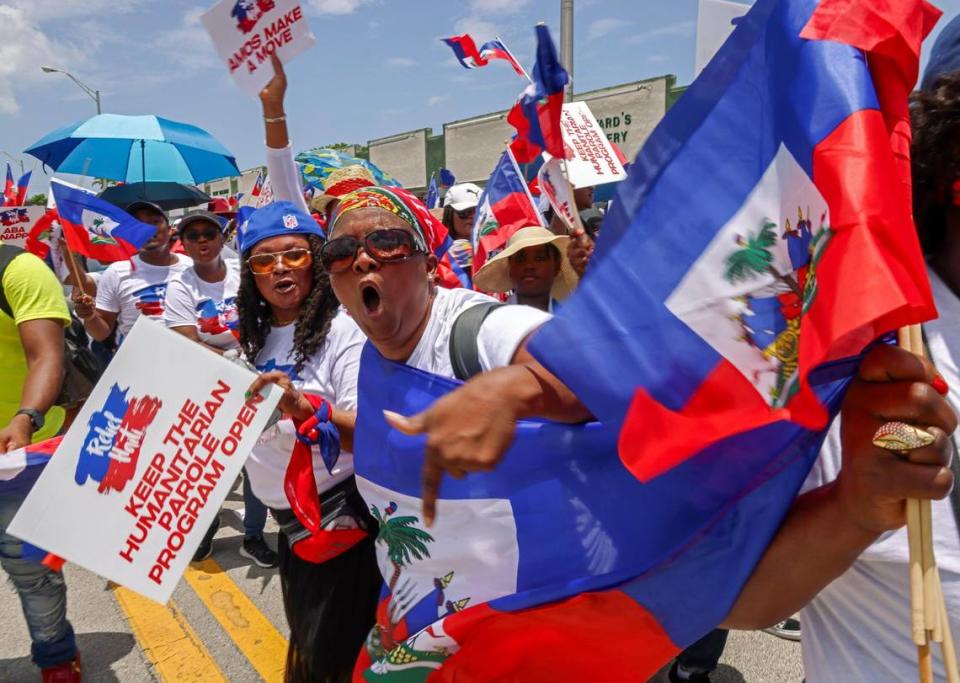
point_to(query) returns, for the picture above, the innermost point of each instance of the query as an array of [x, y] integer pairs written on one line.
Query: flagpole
[[515, 60], [928, 609], [73, 267]]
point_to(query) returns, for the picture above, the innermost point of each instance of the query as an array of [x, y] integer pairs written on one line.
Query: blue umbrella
[[135, 149]]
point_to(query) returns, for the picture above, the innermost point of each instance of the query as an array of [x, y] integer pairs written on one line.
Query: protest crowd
[[459, 495]]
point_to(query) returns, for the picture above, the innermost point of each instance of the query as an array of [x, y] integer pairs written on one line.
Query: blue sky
[[378, 67]]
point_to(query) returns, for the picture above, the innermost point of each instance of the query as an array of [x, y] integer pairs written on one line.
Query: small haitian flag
[[96, 228]]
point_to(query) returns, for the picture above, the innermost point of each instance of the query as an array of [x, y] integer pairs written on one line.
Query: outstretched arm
[[282, 169]]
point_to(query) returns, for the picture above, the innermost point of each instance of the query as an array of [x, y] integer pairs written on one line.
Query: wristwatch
[[36, 417]]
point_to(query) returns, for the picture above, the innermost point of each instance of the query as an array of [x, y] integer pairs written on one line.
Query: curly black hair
[[312, 325], [935, 119]]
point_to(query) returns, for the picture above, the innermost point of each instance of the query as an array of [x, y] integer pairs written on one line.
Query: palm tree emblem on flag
[[747, 293], [771, 323], [100, 229]]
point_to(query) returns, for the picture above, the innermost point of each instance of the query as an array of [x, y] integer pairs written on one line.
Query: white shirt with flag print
[[209, 307], [134, 288], [331, 372]]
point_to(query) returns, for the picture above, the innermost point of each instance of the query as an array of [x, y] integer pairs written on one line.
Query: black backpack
[[82, 368], [464, 354]]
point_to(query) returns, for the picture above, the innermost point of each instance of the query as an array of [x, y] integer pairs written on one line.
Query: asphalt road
[[225, 622]]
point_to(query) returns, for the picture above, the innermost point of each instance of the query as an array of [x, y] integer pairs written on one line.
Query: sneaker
[[677, 674], [205, 548], [788, 629], [256, 549], [68, 672]]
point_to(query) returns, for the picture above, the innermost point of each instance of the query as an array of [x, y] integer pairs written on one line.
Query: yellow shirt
[[33, 293]]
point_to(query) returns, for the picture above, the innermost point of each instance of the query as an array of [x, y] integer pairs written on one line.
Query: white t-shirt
[[332, 373], [501, 334], [134, 288], [858, 628], [210, 307], [285, 178]]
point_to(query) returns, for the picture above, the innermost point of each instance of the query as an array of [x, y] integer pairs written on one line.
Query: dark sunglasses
[[466, 213], [197, 235], [390, 245], [292, 259]]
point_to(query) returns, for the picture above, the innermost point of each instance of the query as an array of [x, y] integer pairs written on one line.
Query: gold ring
[[899, 436]]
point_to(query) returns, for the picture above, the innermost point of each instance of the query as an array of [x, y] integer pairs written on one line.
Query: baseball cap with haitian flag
[[277, 218]]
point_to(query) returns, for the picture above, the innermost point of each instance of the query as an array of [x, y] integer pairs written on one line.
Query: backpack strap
[[7, 254], [464, 352]]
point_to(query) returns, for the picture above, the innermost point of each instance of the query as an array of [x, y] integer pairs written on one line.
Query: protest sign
[[140, 474], [554, 186], [246, 32], [592, 160], [15, 223]]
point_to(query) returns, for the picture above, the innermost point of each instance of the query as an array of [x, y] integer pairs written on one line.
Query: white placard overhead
[[246, 32], [147, 463], [592, 160], [15, 223]]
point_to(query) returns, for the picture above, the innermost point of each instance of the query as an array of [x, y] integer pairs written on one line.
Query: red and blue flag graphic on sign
[[115, 433], [536, 115], [762, 241], [505, 207], [96, 228]]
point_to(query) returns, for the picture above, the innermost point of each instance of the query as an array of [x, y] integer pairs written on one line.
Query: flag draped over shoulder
[[19, 471], [762, 240], [96, 228], [765, 228]]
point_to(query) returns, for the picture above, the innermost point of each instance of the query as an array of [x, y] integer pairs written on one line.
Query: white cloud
[[479, 29], [24, 47], [601, 27], [189, 44], [401, 62], [336, 6], [497, 6], [680, 29], [58, 10], [436, 99]]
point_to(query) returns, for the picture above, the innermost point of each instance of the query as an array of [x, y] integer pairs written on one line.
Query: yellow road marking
[[166, 638], [258, 639]]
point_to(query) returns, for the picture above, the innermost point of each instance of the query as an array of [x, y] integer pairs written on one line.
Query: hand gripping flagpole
[[929, 619]]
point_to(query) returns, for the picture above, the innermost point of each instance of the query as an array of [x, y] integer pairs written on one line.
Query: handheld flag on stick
[[433, 194], [96, 228], [466, 52], [22, 186], [505, 207], [257, 185], [447, 179], [536, 115], [9, 189], [753, 270]]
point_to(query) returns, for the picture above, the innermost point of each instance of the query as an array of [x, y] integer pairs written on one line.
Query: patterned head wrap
[[429, 231]]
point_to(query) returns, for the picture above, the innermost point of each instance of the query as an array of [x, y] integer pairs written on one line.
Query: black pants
[[704, 655], [330, 608]]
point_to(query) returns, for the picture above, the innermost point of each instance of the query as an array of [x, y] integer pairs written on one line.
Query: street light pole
[[566, 43], [93, 94]]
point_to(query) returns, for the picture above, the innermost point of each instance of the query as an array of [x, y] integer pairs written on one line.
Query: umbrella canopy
[[134, 149], [319, 162], [165, 195]]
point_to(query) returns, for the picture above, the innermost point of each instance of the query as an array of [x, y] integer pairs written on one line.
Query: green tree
[[37, 200], [755, 257]]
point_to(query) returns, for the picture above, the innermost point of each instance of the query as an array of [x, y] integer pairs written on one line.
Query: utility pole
[[566, 43]]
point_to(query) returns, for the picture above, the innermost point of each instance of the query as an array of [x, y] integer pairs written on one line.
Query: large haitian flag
[[764, 238]]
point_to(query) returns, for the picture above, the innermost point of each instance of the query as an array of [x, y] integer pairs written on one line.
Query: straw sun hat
[[340, 182], [494, 276]]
